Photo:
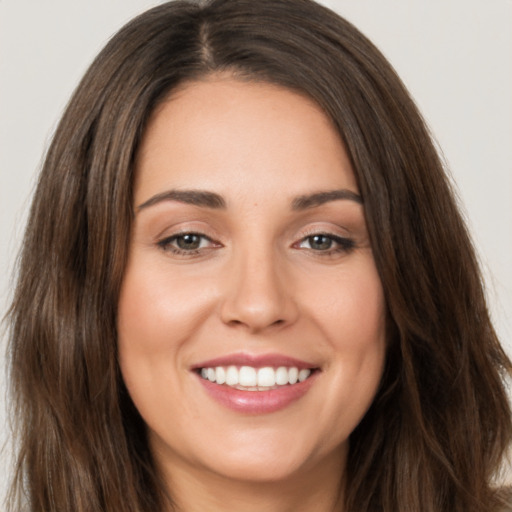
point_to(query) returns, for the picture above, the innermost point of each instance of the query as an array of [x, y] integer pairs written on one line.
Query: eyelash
[[343, 245], [166, 243]]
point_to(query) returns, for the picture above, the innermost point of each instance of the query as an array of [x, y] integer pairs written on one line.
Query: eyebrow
[[193, 197], [319, 198], [215, 201]]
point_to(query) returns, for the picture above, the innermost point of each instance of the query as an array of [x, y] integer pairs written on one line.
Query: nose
[[257, 294]]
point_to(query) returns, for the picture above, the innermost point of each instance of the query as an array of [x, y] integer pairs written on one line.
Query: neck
[[317, 488]]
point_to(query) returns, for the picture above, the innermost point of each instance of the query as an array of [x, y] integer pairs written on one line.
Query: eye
[[189, 241], [186, 243], [326, 243], [318, 242]]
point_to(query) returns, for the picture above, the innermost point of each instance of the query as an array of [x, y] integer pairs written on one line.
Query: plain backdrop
[[455, 56]]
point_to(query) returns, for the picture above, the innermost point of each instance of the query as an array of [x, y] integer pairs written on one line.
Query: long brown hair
[[439, 426]]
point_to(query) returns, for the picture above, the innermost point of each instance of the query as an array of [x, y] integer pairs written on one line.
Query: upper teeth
[[249, 377]]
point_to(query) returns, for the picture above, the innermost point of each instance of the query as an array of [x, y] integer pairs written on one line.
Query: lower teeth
[[256, 388]]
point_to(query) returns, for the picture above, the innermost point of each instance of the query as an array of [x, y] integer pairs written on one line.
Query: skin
[[256, 284]]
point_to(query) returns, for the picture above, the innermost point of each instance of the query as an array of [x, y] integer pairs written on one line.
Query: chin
[[260, 467], [263, 456]]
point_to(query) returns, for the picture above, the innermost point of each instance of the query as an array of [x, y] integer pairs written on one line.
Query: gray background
[[455, 56]]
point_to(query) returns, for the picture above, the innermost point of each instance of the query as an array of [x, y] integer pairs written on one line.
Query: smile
[[256, 384], [249, 378]]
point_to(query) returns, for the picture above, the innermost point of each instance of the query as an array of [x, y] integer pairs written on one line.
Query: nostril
[[252, 325], [257, 304]]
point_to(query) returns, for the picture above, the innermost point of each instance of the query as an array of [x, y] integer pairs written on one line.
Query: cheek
[[363, 328], [350, 308], [156, 308], [157, 315], [351, 313]]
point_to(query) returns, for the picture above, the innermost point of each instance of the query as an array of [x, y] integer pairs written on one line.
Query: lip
[[256, 361], [256, 402]]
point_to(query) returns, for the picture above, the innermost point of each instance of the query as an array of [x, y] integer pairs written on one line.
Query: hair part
[[439, 426]]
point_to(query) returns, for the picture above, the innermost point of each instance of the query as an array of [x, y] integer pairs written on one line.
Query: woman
[[245, 284]]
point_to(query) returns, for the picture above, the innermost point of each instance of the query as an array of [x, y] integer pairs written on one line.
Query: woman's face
[[251, 317]]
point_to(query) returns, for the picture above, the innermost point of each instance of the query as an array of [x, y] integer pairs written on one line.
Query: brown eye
[[188, 242], [326, 243], [320, 242]]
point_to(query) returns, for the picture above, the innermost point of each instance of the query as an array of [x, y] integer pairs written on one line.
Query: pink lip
[[256, 361], [257, 402]]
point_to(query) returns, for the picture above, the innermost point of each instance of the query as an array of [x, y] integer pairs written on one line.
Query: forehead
[[240, 138]]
